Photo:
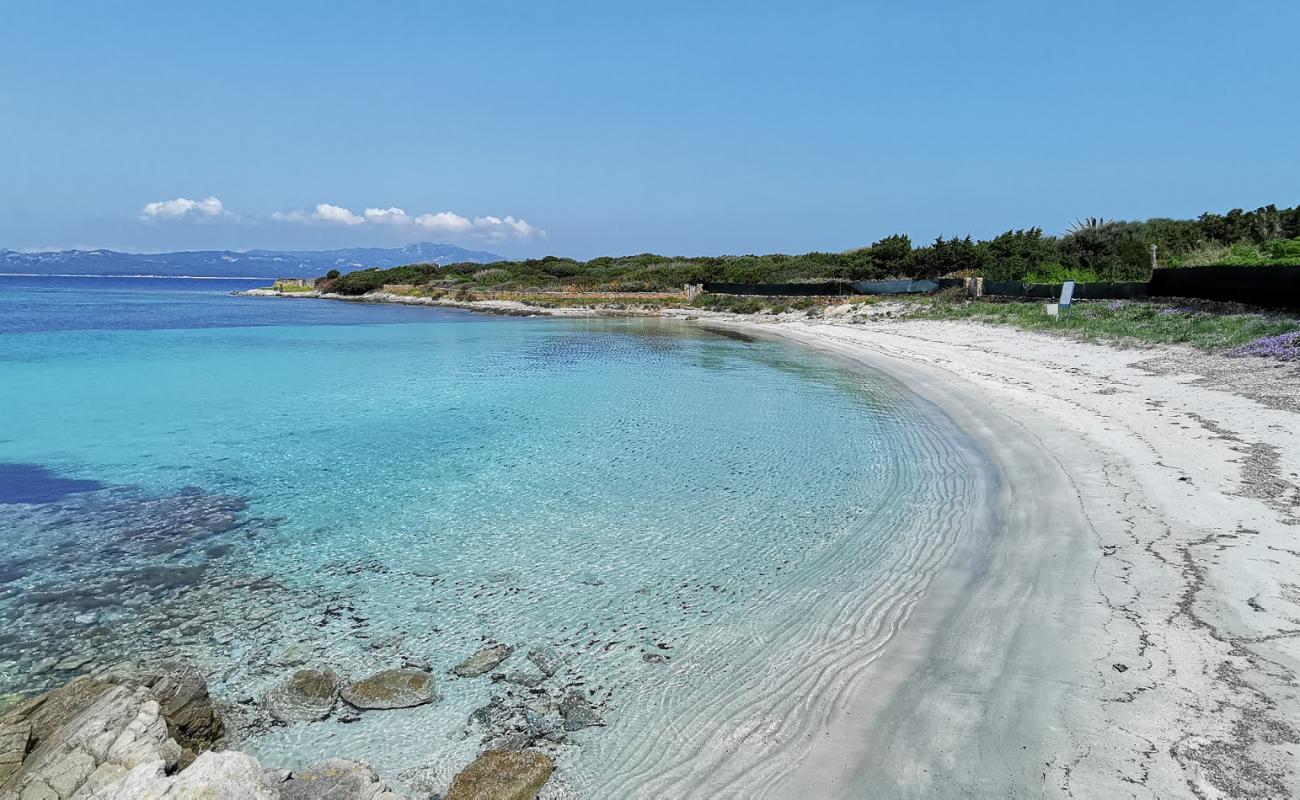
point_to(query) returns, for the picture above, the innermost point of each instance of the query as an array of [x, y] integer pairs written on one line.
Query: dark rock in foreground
[[393, 688], [503, 775], [182, 694]]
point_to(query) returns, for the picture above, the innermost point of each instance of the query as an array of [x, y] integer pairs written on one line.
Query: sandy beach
[[1132, 626]]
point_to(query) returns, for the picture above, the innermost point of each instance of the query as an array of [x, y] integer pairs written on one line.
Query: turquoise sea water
[[714, 532]]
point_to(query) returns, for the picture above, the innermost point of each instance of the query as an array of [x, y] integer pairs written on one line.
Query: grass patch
[[295, 289], [1124, 322], [748, 304], [1055, 273], [590, 300]]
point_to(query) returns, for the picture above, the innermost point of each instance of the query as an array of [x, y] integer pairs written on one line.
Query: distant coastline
[[232, 263], [165, 277]]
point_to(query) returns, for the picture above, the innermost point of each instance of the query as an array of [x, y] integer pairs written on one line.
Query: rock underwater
[[392, 688], [483, 662], [305, 696], [503, 775]]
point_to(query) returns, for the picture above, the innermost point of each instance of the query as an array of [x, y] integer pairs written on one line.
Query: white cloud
[[387, 216], [442, 223], [445, 222], [328, 213], [207, 208], [497, 229]]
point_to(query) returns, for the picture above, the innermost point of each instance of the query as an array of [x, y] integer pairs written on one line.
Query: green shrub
[[1058, 273], [1283, 249], [1014, 255]]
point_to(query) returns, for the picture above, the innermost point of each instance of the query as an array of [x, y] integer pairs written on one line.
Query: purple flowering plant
[[1284, 346]]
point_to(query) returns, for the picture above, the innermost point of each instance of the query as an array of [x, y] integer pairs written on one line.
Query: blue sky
[[683, 128]]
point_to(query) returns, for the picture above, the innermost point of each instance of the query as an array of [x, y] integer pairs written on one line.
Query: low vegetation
[[737, 304], [1091, 250], [1126, 322]]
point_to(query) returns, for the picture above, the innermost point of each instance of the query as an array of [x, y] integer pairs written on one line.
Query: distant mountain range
[[231, 263]]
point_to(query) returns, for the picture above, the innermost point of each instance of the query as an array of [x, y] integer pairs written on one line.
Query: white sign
[[1067, 292]]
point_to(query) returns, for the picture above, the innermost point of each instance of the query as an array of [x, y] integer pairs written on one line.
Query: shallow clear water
[[716, 533]]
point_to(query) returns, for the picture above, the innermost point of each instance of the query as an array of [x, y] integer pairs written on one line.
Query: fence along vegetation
[[1091, 250]]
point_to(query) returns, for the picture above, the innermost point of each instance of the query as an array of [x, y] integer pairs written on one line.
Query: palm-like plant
[[1087, 224]]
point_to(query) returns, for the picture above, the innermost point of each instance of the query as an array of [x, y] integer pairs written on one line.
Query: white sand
[[1132, 628]]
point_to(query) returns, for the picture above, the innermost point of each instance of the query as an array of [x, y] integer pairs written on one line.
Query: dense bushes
[[1093, 249]]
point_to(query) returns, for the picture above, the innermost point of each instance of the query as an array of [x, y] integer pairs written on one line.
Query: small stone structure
[[293, 283]]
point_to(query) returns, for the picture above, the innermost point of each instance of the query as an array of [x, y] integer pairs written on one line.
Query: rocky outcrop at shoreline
[[129, 732]]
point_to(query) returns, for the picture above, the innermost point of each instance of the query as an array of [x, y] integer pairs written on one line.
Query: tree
[[1113, 250], [1013, 255], [946, 256], [892, 255]]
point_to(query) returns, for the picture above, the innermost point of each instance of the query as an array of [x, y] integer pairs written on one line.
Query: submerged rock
[[579, 713], [483, 662], [547, 660], [336, 779], [292, 656], [393, 688], [503, 775], [514, 724], [305, 696], [417, 662], [522, 677], [72, 663]]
